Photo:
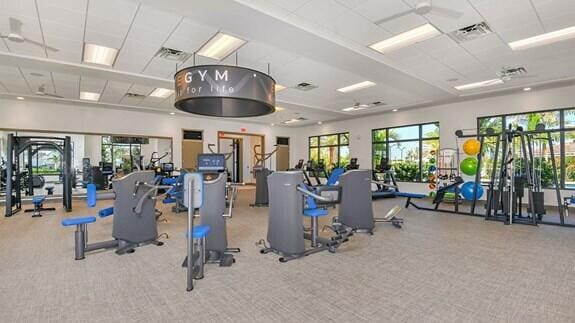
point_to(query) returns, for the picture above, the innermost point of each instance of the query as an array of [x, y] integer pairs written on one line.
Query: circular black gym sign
[[224, 91]]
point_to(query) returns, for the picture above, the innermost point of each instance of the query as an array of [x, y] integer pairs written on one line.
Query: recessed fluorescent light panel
[[477, 85], [356, 87], [291, 121], [101, 55], [279, 87], [407, 38], [19, 98], [544, 39], [221, 46], [90, 96], [161, 93], [278, 109]]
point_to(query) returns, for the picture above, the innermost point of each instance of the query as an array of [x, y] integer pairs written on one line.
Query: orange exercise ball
[[471, 146]]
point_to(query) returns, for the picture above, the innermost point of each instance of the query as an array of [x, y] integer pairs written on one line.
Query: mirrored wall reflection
[[95, 159]]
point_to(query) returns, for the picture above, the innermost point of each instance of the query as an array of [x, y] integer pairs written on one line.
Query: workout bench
[[38, 201], [410, 196]]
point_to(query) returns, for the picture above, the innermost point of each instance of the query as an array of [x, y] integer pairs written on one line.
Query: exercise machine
[[134, 223], [261, 173], [213, 210], [286, 235], [353, 164], [19, 169], [384, 180], [356, 209]]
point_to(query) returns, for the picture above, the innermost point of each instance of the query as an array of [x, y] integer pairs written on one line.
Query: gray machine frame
[[134, 223], [286, 235], [356, 206]]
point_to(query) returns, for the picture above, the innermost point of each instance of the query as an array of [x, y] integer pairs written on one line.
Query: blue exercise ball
[[468, 188], [432, 168]]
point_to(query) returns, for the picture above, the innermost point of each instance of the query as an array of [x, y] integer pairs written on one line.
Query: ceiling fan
[[510, 73], [423, 8], [42, 91], [15, 35]]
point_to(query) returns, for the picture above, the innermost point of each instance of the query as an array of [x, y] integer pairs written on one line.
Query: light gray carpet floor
[[438, 268]]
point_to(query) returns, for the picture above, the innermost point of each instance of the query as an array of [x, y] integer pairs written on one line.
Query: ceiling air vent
[[173, 54], [471, 32], [305, 86]]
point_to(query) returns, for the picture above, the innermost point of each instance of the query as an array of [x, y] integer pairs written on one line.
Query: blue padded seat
[[313, 213], [312, 210], [200, 231], [38, 199], [106, 212], [410, 195], [78, 220]]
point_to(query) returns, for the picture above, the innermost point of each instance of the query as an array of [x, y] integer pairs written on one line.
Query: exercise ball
[[432, 160], [468, 188], [432, 194], [432, 168], [472, 146], [431, 186], [468, 166]]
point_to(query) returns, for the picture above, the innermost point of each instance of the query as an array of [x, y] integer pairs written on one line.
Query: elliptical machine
[[286, 234], [262, 172]]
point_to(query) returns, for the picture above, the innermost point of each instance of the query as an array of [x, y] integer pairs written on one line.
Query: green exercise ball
[[468, 166]]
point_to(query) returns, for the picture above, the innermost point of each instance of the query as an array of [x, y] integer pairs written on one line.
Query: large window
[[408, 149], [333, 149], [121, 155], [561, 120]]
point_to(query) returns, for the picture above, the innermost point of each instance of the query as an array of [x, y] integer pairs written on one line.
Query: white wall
[[451, 117], [57, 117]]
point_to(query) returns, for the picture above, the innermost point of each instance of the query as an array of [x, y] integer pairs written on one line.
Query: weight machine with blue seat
[[286, 235], [134, 215]]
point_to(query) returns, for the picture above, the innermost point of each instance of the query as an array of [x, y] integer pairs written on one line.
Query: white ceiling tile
[[376, 10], [190, 36], [358, 29], [88, 84], [290, 5], [114, 92], [134, 56], [321, 12]]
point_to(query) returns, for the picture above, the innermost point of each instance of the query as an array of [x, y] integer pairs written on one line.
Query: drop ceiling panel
[[38, 78], [141, 89], [12, 79], [161, 67], [321, 12], [359, 29], [88, 84], [403, 24], [134, 56], [109, 21], [114, 92], [375, 10], [469, 15], [351, 4], [153, 26], [290, 5], [190, 36], [67, 85], [71, 14]]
